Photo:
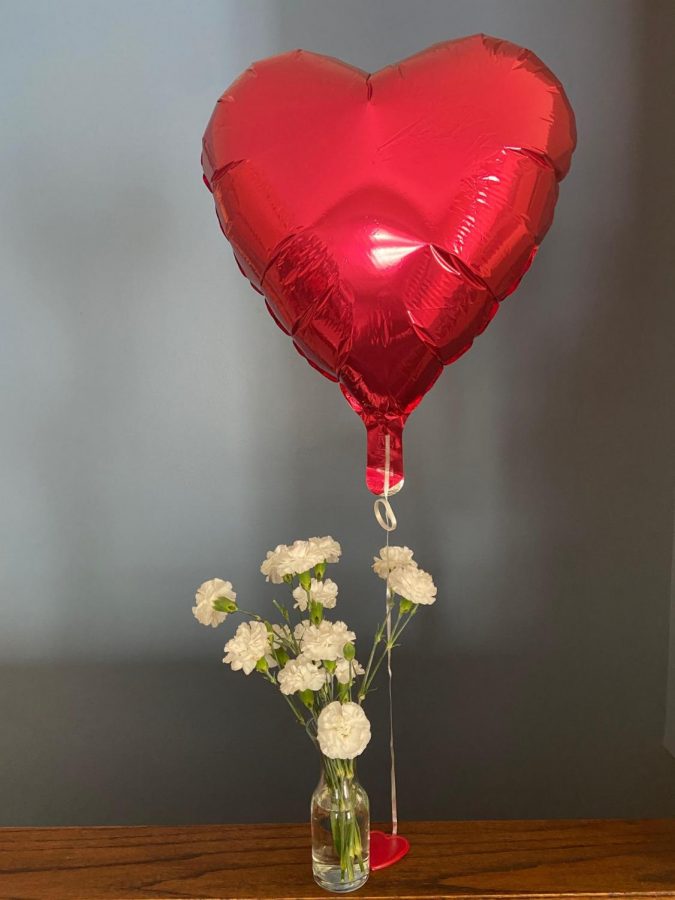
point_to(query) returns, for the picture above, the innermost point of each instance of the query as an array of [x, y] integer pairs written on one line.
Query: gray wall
[[158, 430]]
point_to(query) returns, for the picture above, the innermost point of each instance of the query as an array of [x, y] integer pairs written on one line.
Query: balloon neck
[[384, 465]]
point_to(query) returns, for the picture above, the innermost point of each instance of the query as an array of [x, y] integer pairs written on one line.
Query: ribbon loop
[[385, 514]]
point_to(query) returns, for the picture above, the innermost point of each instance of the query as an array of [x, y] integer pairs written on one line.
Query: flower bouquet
[[313, 664]]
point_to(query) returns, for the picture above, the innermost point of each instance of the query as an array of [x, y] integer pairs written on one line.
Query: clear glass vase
[[340, 818]]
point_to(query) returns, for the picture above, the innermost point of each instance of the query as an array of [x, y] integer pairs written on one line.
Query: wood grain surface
[[236, 862]]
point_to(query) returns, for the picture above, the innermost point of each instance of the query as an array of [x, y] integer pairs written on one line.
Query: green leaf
[[307, 698], [281, 657]]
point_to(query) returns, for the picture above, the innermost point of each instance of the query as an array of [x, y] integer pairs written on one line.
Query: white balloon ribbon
[[386, 519]]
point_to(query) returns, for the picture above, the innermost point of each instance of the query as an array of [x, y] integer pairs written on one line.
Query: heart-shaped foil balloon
[[385, 216]]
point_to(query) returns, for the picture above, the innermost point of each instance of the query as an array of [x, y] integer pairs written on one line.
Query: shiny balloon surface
[[384, 217]]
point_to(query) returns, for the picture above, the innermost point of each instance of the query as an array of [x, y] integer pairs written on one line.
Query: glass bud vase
[[340, 819]]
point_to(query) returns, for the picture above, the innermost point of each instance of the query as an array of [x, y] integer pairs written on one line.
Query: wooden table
[[448, 859]]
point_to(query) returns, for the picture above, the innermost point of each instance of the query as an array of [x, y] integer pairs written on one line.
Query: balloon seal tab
[[384, 464]]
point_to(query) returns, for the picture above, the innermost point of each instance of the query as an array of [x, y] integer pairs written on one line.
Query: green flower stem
[[366, 677], [284, 612], [376, 640], [388, 646], [288, 644], [396, 633], [339, 774], [298, 715], [246, 612]]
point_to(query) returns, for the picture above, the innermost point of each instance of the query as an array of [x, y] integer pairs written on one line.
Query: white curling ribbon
[[386, 519]]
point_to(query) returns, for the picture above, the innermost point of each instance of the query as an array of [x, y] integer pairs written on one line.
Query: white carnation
[[325, 640], [343, 730], [323, 592], [300, 675], [249, 645], [300, 597], [327, 547], [300, 557], [215, 589], [342, 673], [391, 558], [413, 584]]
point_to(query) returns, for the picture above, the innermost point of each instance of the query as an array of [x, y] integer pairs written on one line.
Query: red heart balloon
[[385, 216], [386, 849]]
